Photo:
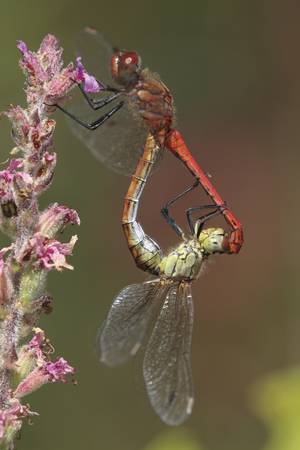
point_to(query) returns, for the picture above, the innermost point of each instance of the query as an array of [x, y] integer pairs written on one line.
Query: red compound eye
[[122, 60], [125, 67], [128, 58]]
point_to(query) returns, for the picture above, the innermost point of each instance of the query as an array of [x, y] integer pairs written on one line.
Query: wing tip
[[176, 420], [91, 30]]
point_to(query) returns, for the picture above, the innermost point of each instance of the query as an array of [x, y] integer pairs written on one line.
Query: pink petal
[[22, 47], [91, 85]]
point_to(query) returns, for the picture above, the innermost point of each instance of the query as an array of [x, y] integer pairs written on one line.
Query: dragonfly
[[142, 106], [160, 309]]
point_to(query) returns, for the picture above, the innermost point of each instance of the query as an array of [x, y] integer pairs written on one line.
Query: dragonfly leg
[[165, 209], [93, 125], [97, 104], [107, 87], [173, 224], [175, 143], [203, 219]]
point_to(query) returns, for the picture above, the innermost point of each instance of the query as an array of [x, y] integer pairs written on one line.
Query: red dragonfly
[[145, 106]]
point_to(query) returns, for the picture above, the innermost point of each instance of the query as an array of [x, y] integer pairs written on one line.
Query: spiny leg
[[203, 219], [93, 125], [165, 209], [97, 104], [175, 143]]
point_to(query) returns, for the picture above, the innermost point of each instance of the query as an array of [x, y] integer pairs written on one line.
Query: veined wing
[[96, 52], [128, 320], [167, 365], [119, 142]]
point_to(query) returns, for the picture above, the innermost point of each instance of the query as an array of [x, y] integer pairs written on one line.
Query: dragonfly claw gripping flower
[[34, 250]]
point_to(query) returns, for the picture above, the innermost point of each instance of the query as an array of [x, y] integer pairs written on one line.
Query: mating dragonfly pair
[[163, 306]]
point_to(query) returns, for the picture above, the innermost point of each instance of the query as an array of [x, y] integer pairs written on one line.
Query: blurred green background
[[233, 68]]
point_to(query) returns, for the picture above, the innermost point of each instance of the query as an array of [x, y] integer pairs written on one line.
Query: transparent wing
[[118, 143], [128, 321], [96, 52], [167, 365]]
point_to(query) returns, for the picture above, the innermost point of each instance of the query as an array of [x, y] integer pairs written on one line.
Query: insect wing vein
[[167, 366], [128, 321]]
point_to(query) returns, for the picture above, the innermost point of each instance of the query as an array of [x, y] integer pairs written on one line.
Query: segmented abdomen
[[145, 251]]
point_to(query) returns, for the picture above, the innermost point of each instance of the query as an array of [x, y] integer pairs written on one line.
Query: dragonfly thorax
[[186, 260], [125, 68], [153, 102]]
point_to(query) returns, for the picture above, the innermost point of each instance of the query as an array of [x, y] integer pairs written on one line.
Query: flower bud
[[11, 422], [30, 355], [32, 285], [55, 218], [49, 372], [6, 285]]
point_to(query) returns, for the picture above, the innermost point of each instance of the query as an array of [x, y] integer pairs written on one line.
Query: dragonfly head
[[212, 240], [125, 67]]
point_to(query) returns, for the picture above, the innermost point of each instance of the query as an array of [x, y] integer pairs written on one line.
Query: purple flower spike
[[90, 84], [48, 81], [25, 364]]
